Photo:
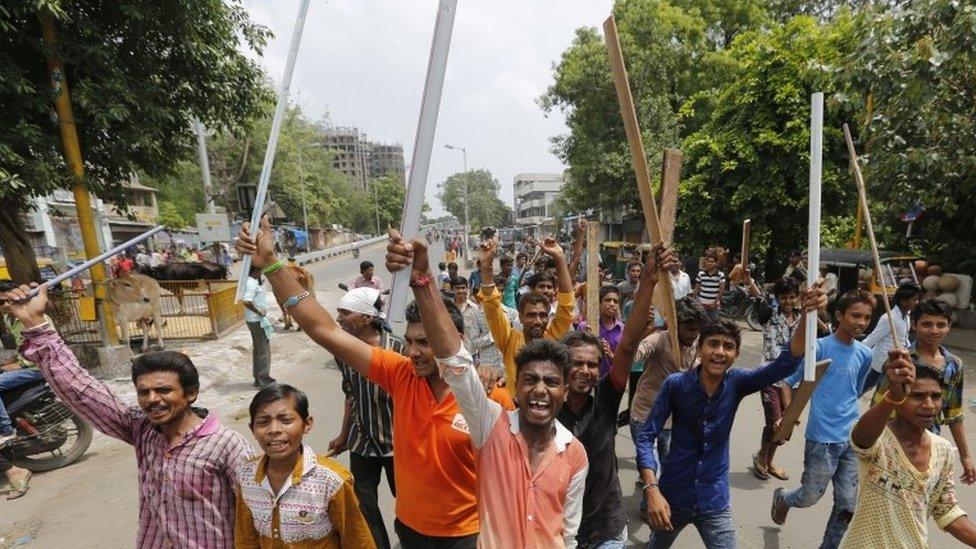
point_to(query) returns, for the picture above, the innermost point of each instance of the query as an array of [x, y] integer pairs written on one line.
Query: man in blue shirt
[[702, 403], [833, 411]]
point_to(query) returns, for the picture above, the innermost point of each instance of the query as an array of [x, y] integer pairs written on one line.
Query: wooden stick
[[670, 180], [800, 398], [863, 205], [746, 236], [593, 277], [639, 158]]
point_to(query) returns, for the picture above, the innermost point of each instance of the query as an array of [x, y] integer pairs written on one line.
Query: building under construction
[[363, 160]]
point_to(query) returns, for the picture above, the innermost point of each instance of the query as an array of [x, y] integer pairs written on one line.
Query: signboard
[[213, 228]]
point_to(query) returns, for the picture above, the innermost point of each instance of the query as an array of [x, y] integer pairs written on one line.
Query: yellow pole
[[72, 156]]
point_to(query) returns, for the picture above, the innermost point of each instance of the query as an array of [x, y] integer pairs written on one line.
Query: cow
[[135, 298], [181, 271]]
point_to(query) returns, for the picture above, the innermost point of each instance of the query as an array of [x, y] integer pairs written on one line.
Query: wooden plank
[[801, 396], [639, 158], [746, 236], [593, 276], [670, 180]]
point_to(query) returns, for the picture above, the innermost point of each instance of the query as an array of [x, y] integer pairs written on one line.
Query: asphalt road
[[93, 503]]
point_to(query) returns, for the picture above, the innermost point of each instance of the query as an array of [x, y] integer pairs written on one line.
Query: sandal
[[761, 472], [778, 472], [18, 489]]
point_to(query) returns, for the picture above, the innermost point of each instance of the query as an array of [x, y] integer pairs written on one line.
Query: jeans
[[618, 543], [412, 539], [367, 471], [260, 354], [822, 463], [663, 447], [716, 529], [12, 380]]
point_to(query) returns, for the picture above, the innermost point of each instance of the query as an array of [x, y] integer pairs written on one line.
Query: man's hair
[[540, 277], [582, 338], [689, 310], [505, 260], [543, 350], [845, 301], [606, 290], [924, 371], [363, 265], [413, 314], [905, 291], [721, 327], [452, 265], [441, 266], [167, 361], [785, 286], [521, 255], [459, 281], [711, 254], [276, 392], [932, 307], [531, 299], [634, 263]]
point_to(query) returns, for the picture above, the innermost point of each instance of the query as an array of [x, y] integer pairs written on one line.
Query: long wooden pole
[[422, 146], [746, 237], [668, 193], [639, 157], [593, 277], [863, 207]]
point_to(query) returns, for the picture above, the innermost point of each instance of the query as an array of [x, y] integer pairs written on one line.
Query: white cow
[[135, 298]]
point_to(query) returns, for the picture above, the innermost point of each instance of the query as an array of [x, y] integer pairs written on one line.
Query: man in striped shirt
[[710, 285], [367, 424], [186, 460]]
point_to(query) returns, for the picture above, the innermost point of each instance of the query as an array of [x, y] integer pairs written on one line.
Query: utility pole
[[301, 181], [467, 229], [72, 156], [201, 132]]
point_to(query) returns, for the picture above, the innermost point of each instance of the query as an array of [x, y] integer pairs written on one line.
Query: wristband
[[646, 485], [273, 268], [294, 300], [421, 281], [893, 402]]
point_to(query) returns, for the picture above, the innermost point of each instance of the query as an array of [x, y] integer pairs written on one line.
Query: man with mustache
[[533, 309]]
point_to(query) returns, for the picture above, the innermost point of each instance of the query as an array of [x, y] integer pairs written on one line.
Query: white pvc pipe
[[423, 143], [204, 164], [813, 230], [269, 153]]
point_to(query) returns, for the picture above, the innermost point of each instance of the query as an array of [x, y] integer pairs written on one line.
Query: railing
[[311, 257]]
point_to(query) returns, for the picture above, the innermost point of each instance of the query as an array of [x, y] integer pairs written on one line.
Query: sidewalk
[[962, 338]]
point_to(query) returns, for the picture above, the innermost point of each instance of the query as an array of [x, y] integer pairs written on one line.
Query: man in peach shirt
[[531, 471]]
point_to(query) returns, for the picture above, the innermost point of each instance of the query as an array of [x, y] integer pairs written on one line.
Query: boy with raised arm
[[533, 309], [905, 472], [434, 462], [531, 471], [702, 403]]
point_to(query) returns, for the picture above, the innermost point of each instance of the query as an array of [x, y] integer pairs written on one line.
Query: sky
[[363, 63]]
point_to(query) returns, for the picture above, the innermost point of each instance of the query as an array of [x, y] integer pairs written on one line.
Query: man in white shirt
[[905, 299], [680, 282]]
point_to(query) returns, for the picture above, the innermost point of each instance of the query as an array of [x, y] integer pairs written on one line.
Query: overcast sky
[[362, 63]]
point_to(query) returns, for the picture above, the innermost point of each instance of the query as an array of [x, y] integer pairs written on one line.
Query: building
[[363, 160], [534, 196]]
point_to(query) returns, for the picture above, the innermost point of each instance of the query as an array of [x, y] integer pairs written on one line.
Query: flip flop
[[18, 489], [758, 470], [779, 473]]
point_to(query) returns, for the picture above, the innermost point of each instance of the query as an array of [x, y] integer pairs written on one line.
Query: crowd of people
[[494, 417]]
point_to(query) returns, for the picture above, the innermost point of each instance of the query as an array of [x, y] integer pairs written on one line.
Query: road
[[93, 503]]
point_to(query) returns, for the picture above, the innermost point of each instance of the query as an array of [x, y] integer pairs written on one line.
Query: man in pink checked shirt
[[186, 460]]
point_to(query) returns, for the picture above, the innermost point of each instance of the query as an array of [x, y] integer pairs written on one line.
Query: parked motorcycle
[[50, 434], [737, 305]]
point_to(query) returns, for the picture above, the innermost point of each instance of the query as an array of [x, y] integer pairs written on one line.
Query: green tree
[[390, 194], [138, 72], [484, 206], [169, 216]]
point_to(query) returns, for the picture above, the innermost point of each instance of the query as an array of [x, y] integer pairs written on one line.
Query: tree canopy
[[484, 206]]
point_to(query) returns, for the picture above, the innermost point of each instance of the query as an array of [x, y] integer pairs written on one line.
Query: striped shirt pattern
[[709, 285], [371, 432], [186, 491]]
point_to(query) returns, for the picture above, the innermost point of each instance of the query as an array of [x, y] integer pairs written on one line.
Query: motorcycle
[[737, 305], [50, 435]]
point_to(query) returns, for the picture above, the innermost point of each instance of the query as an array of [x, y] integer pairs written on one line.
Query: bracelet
[[421, 281], [273, 268], [889, 401], [646, 485], [294, 300]]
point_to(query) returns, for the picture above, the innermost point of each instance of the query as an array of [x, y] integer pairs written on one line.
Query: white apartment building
[[534, 196]]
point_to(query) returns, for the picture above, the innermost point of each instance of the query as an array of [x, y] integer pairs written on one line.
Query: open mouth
[[539, 408], [277, 446], [156, 412]]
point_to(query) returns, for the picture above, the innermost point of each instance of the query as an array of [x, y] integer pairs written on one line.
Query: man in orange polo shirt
[[433, 460], [531, 470], [533, 309]]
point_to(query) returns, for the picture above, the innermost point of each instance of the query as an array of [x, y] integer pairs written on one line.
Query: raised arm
[[659, 260], [315, 321], [454, 361], [577, 256], [564, 282], [900, 371], [498, 324], [82, 393]]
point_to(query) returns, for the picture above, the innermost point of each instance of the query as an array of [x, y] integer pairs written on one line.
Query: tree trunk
[[17, 249]]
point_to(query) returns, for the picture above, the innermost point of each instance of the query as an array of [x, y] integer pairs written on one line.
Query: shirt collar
[[303, 466], [563, 436]]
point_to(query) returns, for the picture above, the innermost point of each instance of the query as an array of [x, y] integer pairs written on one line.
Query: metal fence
[[194, 309]]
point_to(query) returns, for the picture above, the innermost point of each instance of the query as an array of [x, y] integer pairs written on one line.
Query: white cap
[[362, 301]]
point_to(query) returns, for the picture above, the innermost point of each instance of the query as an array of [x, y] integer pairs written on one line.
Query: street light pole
[[467, 229], [301, 182]]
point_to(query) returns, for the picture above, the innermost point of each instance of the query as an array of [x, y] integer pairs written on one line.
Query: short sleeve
[[387, 369], [250, 288], [943, 505], [871, 453]]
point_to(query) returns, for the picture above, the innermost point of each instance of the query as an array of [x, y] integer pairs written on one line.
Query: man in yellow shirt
[[533, 309]]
